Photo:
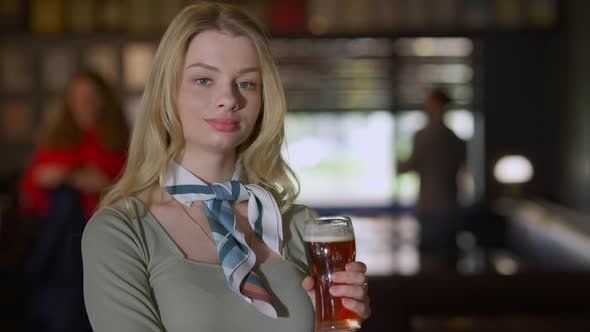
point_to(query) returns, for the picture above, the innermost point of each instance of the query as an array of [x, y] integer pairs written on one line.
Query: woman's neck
[[209, 167]]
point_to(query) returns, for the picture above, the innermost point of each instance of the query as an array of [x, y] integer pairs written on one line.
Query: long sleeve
[[294, 221], [34, 199], [117, 291]]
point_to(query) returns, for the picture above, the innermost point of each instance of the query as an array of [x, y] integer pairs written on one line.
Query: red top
[[90, 152]]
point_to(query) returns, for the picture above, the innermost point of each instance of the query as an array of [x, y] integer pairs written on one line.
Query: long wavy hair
[[59, 129], [157, 135]]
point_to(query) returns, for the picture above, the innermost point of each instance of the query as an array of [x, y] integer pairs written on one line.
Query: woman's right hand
[[352, 288], [51, 176]]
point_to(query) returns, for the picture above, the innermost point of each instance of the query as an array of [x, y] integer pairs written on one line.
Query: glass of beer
[[329, 246]]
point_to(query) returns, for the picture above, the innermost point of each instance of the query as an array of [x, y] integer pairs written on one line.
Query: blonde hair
[[59, 129], [157, 136]]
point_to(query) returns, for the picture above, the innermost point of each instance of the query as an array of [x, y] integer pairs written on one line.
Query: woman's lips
[[222, 124]]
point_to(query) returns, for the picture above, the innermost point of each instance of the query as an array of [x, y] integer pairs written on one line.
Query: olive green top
[[136, 279]]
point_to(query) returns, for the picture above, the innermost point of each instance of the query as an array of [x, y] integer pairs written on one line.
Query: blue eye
[[202, 81], [247, 85]]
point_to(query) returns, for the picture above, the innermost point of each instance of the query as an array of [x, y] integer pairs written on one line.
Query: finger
[[353, 278], [362, 308], [356, 267], [354, 292], [308, 284]]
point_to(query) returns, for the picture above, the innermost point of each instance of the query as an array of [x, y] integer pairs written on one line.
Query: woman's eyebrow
[[213, 68], [203, 65]]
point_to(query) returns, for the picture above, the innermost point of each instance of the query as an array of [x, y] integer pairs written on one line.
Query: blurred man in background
[[438, 157]]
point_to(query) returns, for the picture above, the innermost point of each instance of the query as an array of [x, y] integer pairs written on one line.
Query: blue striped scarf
[[236, 257]]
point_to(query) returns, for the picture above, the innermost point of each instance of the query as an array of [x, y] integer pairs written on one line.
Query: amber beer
[[329, 246]]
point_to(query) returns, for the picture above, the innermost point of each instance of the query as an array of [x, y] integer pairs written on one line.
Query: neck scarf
[[236, 257]]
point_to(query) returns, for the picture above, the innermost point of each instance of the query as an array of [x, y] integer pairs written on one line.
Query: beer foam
[[327, 237]]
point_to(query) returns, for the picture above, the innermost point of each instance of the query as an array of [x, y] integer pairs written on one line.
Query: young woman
[[81, 149], [201, 233]]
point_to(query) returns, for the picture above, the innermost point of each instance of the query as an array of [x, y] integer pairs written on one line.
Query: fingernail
[[333, 290], [346, 302]]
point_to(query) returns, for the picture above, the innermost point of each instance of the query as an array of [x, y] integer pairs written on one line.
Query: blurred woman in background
[[80, 151], [81, 144]]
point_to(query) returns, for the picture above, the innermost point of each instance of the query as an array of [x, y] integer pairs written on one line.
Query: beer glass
[[329, 246]]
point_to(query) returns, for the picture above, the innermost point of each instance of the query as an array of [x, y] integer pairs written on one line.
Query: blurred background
[[511, 249]]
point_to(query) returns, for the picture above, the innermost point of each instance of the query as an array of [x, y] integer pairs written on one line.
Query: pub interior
[[356, 77]]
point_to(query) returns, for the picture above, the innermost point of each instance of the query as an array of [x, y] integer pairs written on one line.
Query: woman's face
[[219, 95], [85, 101]]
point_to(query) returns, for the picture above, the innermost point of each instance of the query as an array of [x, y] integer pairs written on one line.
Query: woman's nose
[[229, 98]]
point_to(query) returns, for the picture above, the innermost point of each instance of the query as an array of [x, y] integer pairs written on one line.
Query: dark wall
[[536, 101], [522, 103], [577, 91]]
